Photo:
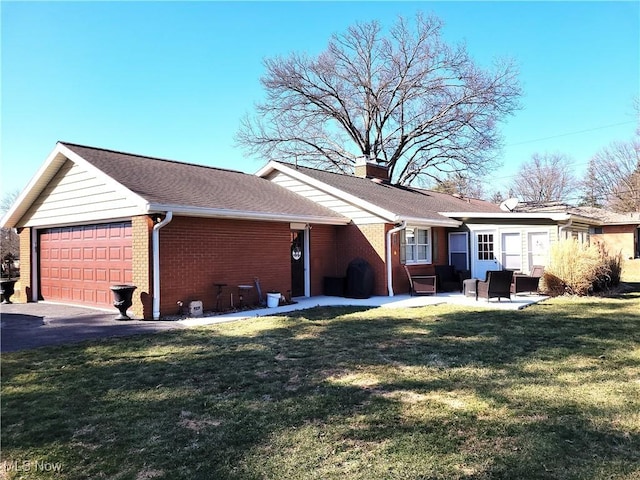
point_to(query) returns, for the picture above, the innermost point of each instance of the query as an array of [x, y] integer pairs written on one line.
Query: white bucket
[[273, 299]]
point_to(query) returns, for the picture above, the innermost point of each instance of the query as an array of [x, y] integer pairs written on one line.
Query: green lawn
[[550, 392]]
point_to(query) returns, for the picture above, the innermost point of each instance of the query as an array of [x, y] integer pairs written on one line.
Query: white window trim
[[429, 245]]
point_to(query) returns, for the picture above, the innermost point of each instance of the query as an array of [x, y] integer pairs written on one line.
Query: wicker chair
[[527, 283], [496, 285], [450, 279]]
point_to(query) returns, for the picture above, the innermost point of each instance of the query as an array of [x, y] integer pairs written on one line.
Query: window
[[417, 245], [485, 246]]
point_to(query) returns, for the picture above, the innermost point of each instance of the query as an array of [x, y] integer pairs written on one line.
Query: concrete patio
[[518, 302]]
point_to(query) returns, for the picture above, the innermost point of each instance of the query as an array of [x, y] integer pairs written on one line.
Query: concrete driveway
[[31, 325]]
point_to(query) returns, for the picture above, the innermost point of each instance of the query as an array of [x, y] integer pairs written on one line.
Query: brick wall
[[142, 268], [618, 238], [196, 253], [23, 287], [440, 256], [367, 242], [324, 259]]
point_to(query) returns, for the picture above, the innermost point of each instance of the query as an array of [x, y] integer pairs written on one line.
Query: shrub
[[580, 269]]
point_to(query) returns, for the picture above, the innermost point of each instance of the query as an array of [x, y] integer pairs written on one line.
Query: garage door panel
[[103, 298], [115, 253], [89, 296], [76, 274], [115, 276], [78, 264]]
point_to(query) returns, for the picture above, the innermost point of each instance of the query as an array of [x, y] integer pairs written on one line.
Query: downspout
[[155, 240], [562, 227], [402, 226]]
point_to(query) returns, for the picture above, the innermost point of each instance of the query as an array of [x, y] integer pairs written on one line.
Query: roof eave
[[245, 215], [507, 215], [429, 222]]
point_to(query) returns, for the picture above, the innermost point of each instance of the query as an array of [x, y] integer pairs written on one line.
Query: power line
[[571, 133]]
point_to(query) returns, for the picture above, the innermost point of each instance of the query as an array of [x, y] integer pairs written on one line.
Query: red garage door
[[79, 264]]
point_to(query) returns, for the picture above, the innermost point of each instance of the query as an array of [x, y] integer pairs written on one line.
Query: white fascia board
[[508, 216], [35, 186], [244, 215], [428, 222], [336, 192]]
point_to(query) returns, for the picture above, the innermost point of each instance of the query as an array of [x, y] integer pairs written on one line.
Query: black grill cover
[[359, 279]]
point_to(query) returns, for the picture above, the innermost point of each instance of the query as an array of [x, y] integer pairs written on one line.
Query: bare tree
[[613, 177], [407, 99], [545, 178], [458, 184]]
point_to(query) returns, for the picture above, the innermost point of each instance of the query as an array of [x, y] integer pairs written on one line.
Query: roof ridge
[[401, 187], [179, 162]]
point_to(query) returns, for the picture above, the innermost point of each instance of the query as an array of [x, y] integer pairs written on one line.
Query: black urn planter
[[122, 299], [7, 288]]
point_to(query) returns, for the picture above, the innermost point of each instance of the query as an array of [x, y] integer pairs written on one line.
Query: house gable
[[364, 200], [66, 190], [354, 209]]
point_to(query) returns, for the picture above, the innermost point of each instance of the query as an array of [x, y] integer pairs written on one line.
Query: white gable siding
[[357, 214], [75, 195]]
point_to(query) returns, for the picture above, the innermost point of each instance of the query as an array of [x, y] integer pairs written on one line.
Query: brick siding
[[196, 253], [24, 287], [142, 268]]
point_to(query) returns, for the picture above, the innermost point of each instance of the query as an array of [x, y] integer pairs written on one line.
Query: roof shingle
[[403, 201], [168, 182]]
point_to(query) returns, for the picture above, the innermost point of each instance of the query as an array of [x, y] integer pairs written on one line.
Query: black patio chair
[[496, 285]]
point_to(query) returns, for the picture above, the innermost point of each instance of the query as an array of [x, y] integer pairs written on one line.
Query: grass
[[550, 392]]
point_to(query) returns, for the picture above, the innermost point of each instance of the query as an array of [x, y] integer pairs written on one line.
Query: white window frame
[[414, 246]]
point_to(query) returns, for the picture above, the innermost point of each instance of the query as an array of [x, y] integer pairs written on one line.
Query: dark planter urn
[[122, 299], [7, 289]]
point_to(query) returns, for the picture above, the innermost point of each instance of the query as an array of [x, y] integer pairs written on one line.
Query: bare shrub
[[580, 269]]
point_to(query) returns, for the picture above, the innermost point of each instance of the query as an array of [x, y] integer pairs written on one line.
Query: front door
[[297, 263], [484, 253]]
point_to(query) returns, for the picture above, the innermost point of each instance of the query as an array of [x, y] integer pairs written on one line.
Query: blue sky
[[172, 80]]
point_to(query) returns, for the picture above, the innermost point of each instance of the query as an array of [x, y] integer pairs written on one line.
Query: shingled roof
[[171, 183], [599, 214], [184, 188], [403, 201]]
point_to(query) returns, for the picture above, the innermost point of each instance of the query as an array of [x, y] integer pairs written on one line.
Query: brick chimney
[[366, 168]]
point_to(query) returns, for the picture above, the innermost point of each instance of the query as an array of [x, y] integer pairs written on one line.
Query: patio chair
[[449, 279], [421, 284], [527, 283], [496, 285]]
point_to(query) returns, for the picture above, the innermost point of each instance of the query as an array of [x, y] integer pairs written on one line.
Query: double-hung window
[[416, 245]]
